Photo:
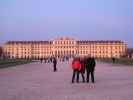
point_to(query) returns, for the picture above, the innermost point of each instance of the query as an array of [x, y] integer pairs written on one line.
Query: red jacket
[[76, 65]]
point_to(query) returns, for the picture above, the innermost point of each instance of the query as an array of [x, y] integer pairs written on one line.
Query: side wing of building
[[27, 49]]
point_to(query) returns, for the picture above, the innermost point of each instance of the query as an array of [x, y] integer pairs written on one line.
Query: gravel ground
[[37, 81]]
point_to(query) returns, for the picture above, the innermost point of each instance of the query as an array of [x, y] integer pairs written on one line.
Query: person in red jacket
[[76, 66]]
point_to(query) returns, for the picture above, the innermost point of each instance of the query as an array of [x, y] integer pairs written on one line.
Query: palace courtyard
[[36, 81]]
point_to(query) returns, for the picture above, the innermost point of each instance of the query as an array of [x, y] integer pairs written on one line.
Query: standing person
[[76, 66], [82, 70], [90, 68], [41, 60], [51, 59], [113, 59], [54, 64]]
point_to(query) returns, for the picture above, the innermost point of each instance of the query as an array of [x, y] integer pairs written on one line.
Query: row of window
[[64, 42], [100, 47], [64, 52], [82, 52], [99, 51], [64, 47]]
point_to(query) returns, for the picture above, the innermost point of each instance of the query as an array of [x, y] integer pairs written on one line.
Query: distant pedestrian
[[54, 64], [51, 59], [41, 60], [113, 60], [90, 68], [45, 60], [76, 66]]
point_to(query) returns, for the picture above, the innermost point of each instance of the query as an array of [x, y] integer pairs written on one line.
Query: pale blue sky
[[80, 19]]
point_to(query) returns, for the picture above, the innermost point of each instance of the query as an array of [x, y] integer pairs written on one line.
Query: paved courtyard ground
[[37, 81]]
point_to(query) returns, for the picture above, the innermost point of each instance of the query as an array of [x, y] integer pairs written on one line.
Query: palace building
[[64, 46]]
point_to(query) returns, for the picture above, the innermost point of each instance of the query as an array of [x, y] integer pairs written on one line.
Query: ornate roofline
[[98, 41], [27, 42], [78, 42]]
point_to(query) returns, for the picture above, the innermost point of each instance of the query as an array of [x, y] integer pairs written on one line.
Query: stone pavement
[[37, 81]]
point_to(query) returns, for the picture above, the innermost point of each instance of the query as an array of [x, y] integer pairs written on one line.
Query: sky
[[79, 19]]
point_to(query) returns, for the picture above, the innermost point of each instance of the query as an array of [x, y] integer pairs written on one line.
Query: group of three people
[[80, 65]]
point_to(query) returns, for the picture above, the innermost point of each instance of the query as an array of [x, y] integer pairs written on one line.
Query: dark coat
[[54, 61], [82, 66], [90, 64]]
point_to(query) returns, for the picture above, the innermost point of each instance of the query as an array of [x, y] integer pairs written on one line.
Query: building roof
[[27, 42], [78, 42], [98, 41]]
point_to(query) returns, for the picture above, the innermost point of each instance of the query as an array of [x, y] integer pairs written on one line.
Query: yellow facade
[[64, 46]]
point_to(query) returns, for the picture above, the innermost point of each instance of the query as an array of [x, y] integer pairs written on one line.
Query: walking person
[[76, 66], [90, 68], [51, 59], [54, 64]]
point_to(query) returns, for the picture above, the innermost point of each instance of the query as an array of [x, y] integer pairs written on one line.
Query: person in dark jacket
[[82, 70], [113, 59], [41, 60], [90, 68], [54, 64]]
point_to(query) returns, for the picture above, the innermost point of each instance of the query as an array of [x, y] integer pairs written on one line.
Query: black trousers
[[88, 75], [83, 78], [75, 72]]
